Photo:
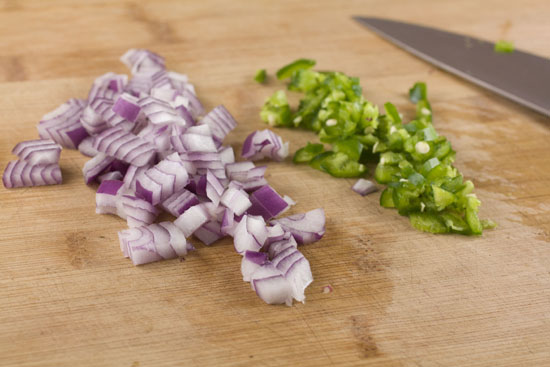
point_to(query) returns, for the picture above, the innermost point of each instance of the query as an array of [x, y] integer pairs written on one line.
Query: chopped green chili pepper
[[351, 147], [317, 161], [386, 199], [300, 64], [276, 110], [418, 92], [414, 161], [307, 153], [392, 112], [260, 76], [428, 222], [340, 165], [504, 47]]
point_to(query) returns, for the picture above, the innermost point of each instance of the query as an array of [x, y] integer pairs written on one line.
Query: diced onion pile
[[153, 148]]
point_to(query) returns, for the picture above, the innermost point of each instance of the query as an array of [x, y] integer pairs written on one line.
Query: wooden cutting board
[[401, 297]]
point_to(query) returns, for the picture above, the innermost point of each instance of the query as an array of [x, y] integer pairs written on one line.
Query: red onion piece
[[164, 179], [159, 111], [41, 151], [95, 166], [85, 147], [192, 219], [236, 199], [108, 86], [228, 223], [136, 211], [92, 118], [267, 203], [214, 188], [131, 176], [179, 202], [275, 248], [113, 175], [24, 174], [106, 196], [127, 106], [141, 61], [151, 243], [264, 144], [220, 121], [125, 146], [158, 135], [251, 261], [306, 228], [364, 187], [250, 234], [209, 232], [63, 124], [271, 285], [227, 155], [194, 105], [198, 143], [296, 270]]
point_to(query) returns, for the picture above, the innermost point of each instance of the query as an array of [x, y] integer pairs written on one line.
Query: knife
[[519, 76]]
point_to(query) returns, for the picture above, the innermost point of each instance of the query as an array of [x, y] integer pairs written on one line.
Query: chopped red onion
[[125, 146], [154, 242], [41, 151], [92, 118], [264, 143], [159, 111], [220, 122], [179, 202], [127, 106], [250, 234], [95, 166], [274, 234], [136, 211], [113, 175], [24, 174], [252, 260], [227, 155], [158, 135], [194, 107], [197, 143], [271, 285], [296, 270], [228, 223], [185, 114], [141, 61], [106, 196], [267, 203], [209, 232], [165, 178], [277, 247], [85, 147], [214, 188], [131, 176], [108, 86], [236, 199], [63, 126], [364, 187], [126, 126], [192, 219], [306, 228]]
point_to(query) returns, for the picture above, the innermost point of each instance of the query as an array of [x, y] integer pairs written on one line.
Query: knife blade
[[519, 76]]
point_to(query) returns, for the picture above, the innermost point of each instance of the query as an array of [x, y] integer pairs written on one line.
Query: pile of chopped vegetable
[[414, 161], [153, 148]]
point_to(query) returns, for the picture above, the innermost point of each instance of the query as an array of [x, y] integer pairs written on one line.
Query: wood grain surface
[[401, 297]]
